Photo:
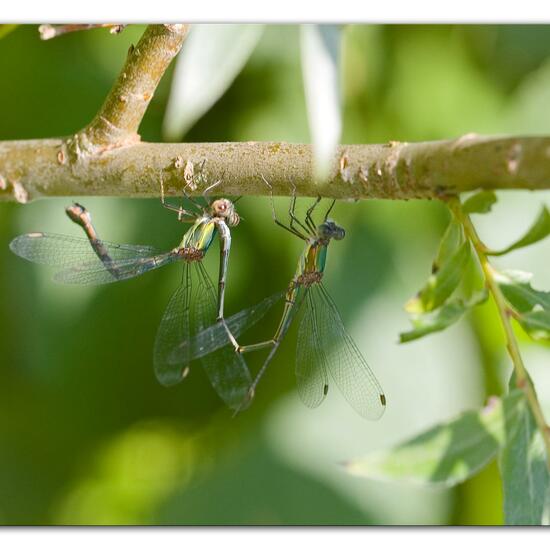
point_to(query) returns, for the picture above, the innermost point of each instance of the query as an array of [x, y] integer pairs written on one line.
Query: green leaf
[[525, 475], [441, 284], [519, 293], [451, 240], [448, 453], [210, 60], [441, 318], [531, 306], [536, 324], [538, 231], [320, 49], [480, 203]]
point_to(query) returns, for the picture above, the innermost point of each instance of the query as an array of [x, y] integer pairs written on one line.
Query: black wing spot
[[383, 399]]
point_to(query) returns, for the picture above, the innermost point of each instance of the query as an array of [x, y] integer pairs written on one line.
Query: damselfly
[[323, 345], [192, 307]]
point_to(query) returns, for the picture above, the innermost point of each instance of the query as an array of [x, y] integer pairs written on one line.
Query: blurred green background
[[87, 435]]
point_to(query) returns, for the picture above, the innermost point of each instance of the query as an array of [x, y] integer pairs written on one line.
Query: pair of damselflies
[[194, 326]]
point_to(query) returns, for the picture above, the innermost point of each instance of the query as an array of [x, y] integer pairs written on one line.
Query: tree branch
[[107, 157], [40, 168], [117, 122]]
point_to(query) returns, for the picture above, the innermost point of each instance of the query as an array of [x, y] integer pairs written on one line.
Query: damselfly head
[[330, 230], [224, 208]]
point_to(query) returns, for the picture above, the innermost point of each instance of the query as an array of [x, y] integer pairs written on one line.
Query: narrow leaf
[[441, 284], [448, 453], [480, 203], [451, 240], [525, 476], [320, 47], [441, 318], [211, 59], [538, 231]]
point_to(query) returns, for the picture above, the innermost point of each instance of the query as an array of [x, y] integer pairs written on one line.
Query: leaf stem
[[523, 380]]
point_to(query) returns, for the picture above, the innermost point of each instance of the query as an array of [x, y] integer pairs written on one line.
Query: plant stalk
[[523, 380]]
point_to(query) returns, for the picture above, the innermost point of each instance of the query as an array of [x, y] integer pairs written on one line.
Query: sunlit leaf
[[210, 60], [536, 324], [451, 240], [320, 47], [480, 203], [525, 475], [441, 284], [517, 289], [531, 307], [538, 231], [448, 453], [441, 318], [5, 29]]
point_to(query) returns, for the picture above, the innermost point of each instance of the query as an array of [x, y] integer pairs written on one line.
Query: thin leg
[[183, 215], [209, 188], [274, 215], [256, 347], [200, 208], [252, 390], [309, 215], [330, 208], [292, 215]]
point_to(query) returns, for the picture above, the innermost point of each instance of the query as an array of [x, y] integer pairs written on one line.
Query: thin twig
[[117, 122], [523, 381], [47, 32]]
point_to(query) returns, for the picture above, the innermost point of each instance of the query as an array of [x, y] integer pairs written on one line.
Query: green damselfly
[[192, 307], [323, 345]]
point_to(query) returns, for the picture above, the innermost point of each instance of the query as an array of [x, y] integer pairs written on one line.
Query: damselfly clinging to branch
[[192, 307], [323, 345]]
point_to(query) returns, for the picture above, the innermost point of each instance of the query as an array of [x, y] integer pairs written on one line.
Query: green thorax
[[200, 235], [313, 258]]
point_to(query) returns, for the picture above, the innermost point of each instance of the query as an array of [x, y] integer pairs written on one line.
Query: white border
[[396, 11], [272, 538]]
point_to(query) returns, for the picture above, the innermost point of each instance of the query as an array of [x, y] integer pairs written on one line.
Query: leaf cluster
[[454, 451]]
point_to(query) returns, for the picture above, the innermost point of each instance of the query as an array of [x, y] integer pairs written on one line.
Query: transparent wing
[[226, 369], [96, 273], [310, 369], [174, 327], [343, 360], [81, 263], [65, 251], [215, 336]]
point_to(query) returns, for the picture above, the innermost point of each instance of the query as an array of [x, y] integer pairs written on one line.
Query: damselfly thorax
[[323, 348], [194, 304]]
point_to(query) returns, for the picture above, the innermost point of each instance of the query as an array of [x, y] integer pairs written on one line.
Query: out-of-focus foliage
[[88, 435], [538, 231], [211, 60], [6, 29], [321, 63], [448, 453]]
